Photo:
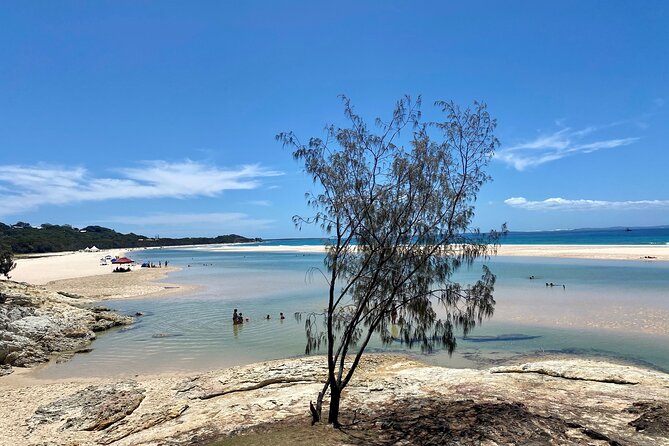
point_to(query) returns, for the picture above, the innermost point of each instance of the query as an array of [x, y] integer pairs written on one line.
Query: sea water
[[596, 236], [613, 309]]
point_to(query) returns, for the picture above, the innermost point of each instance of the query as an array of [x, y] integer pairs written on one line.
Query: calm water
[[611, 236], [195, 331]]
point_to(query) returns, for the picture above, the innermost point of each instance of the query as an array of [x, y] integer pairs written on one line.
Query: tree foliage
[[7, 263], [23, 238], [399, 217]]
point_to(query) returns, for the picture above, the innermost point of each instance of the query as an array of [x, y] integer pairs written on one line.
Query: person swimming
[[281, 316]]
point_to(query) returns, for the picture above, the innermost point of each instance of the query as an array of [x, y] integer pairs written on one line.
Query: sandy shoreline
[[141, 282], [595, 252], [80, 273], [40, 269]]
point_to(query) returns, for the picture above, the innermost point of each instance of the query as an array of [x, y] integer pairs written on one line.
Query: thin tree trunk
[[335, 398]]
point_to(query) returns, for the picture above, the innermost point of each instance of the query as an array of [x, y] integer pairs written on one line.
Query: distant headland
[[23, 238]]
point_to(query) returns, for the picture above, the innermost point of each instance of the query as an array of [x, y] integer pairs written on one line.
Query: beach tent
[[94, 249], [122, 261], [87, 250]]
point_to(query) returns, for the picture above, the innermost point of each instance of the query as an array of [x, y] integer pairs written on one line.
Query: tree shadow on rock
[[434, 422]]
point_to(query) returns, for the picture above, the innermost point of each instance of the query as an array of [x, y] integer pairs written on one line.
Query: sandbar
[[141, 282], [80, 273], [595, 252]]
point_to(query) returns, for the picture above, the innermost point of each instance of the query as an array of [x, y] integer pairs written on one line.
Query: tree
[[399, 219], [6, 261]]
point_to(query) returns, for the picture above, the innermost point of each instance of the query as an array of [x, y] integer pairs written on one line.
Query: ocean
[[609, 309], [608, 236]]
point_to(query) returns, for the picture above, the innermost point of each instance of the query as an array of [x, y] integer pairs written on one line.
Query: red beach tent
[[122, 261]]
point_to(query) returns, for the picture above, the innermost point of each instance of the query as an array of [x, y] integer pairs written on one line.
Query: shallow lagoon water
[[195, 331]]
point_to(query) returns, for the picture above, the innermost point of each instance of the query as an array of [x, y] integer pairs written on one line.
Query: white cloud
[[555, 146], [263, 203], [563, 204], [24, 188]]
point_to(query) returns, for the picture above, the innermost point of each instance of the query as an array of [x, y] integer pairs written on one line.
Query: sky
[[160, 117]]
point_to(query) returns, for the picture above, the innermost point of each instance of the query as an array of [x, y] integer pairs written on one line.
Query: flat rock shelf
[[392, 400]]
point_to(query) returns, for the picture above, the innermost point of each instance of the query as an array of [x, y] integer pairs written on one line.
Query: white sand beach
[[599, 252], [69, 265], [80, 273], [39, 270]]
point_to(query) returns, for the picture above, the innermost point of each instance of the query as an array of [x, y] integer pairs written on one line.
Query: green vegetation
[[399, 210], [22, 238], [6, 261]]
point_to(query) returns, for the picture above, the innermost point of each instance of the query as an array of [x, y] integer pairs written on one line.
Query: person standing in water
[[237, 318]]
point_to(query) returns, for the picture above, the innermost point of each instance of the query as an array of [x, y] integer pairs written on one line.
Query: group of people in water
[[551, 284], [238, 317]]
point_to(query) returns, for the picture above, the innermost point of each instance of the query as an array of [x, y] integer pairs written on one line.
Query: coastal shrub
[[6, 262], [396, 200], [22, 238]]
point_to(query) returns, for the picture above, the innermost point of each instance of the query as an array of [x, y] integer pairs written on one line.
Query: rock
[[594, 371], [653, 418], [91, 409], [166, 335], [146, 421], [35, 323], [104, 320], [390, 400], [6, 369], [242, 379]]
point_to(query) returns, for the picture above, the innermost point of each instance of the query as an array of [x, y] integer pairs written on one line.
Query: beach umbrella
[[122, 261]]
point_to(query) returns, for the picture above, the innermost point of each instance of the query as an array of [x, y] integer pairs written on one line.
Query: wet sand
[[141, 282], [80, 274]]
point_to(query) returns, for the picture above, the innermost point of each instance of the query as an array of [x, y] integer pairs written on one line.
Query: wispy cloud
[[228, 219], [262, 203], [24, 188], [557, 145], [563, 204]]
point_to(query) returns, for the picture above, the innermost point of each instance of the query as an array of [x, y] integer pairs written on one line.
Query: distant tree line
[[22, 238]]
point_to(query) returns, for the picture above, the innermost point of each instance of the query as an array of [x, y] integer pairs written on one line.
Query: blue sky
[[160, 117]]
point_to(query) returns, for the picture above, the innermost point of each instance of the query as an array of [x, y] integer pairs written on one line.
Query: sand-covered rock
[[393, 399], [36, 323]]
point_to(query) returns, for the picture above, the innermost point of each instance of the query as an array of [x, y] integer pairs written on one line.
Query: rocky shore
[[392, 400], [37, 324]]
